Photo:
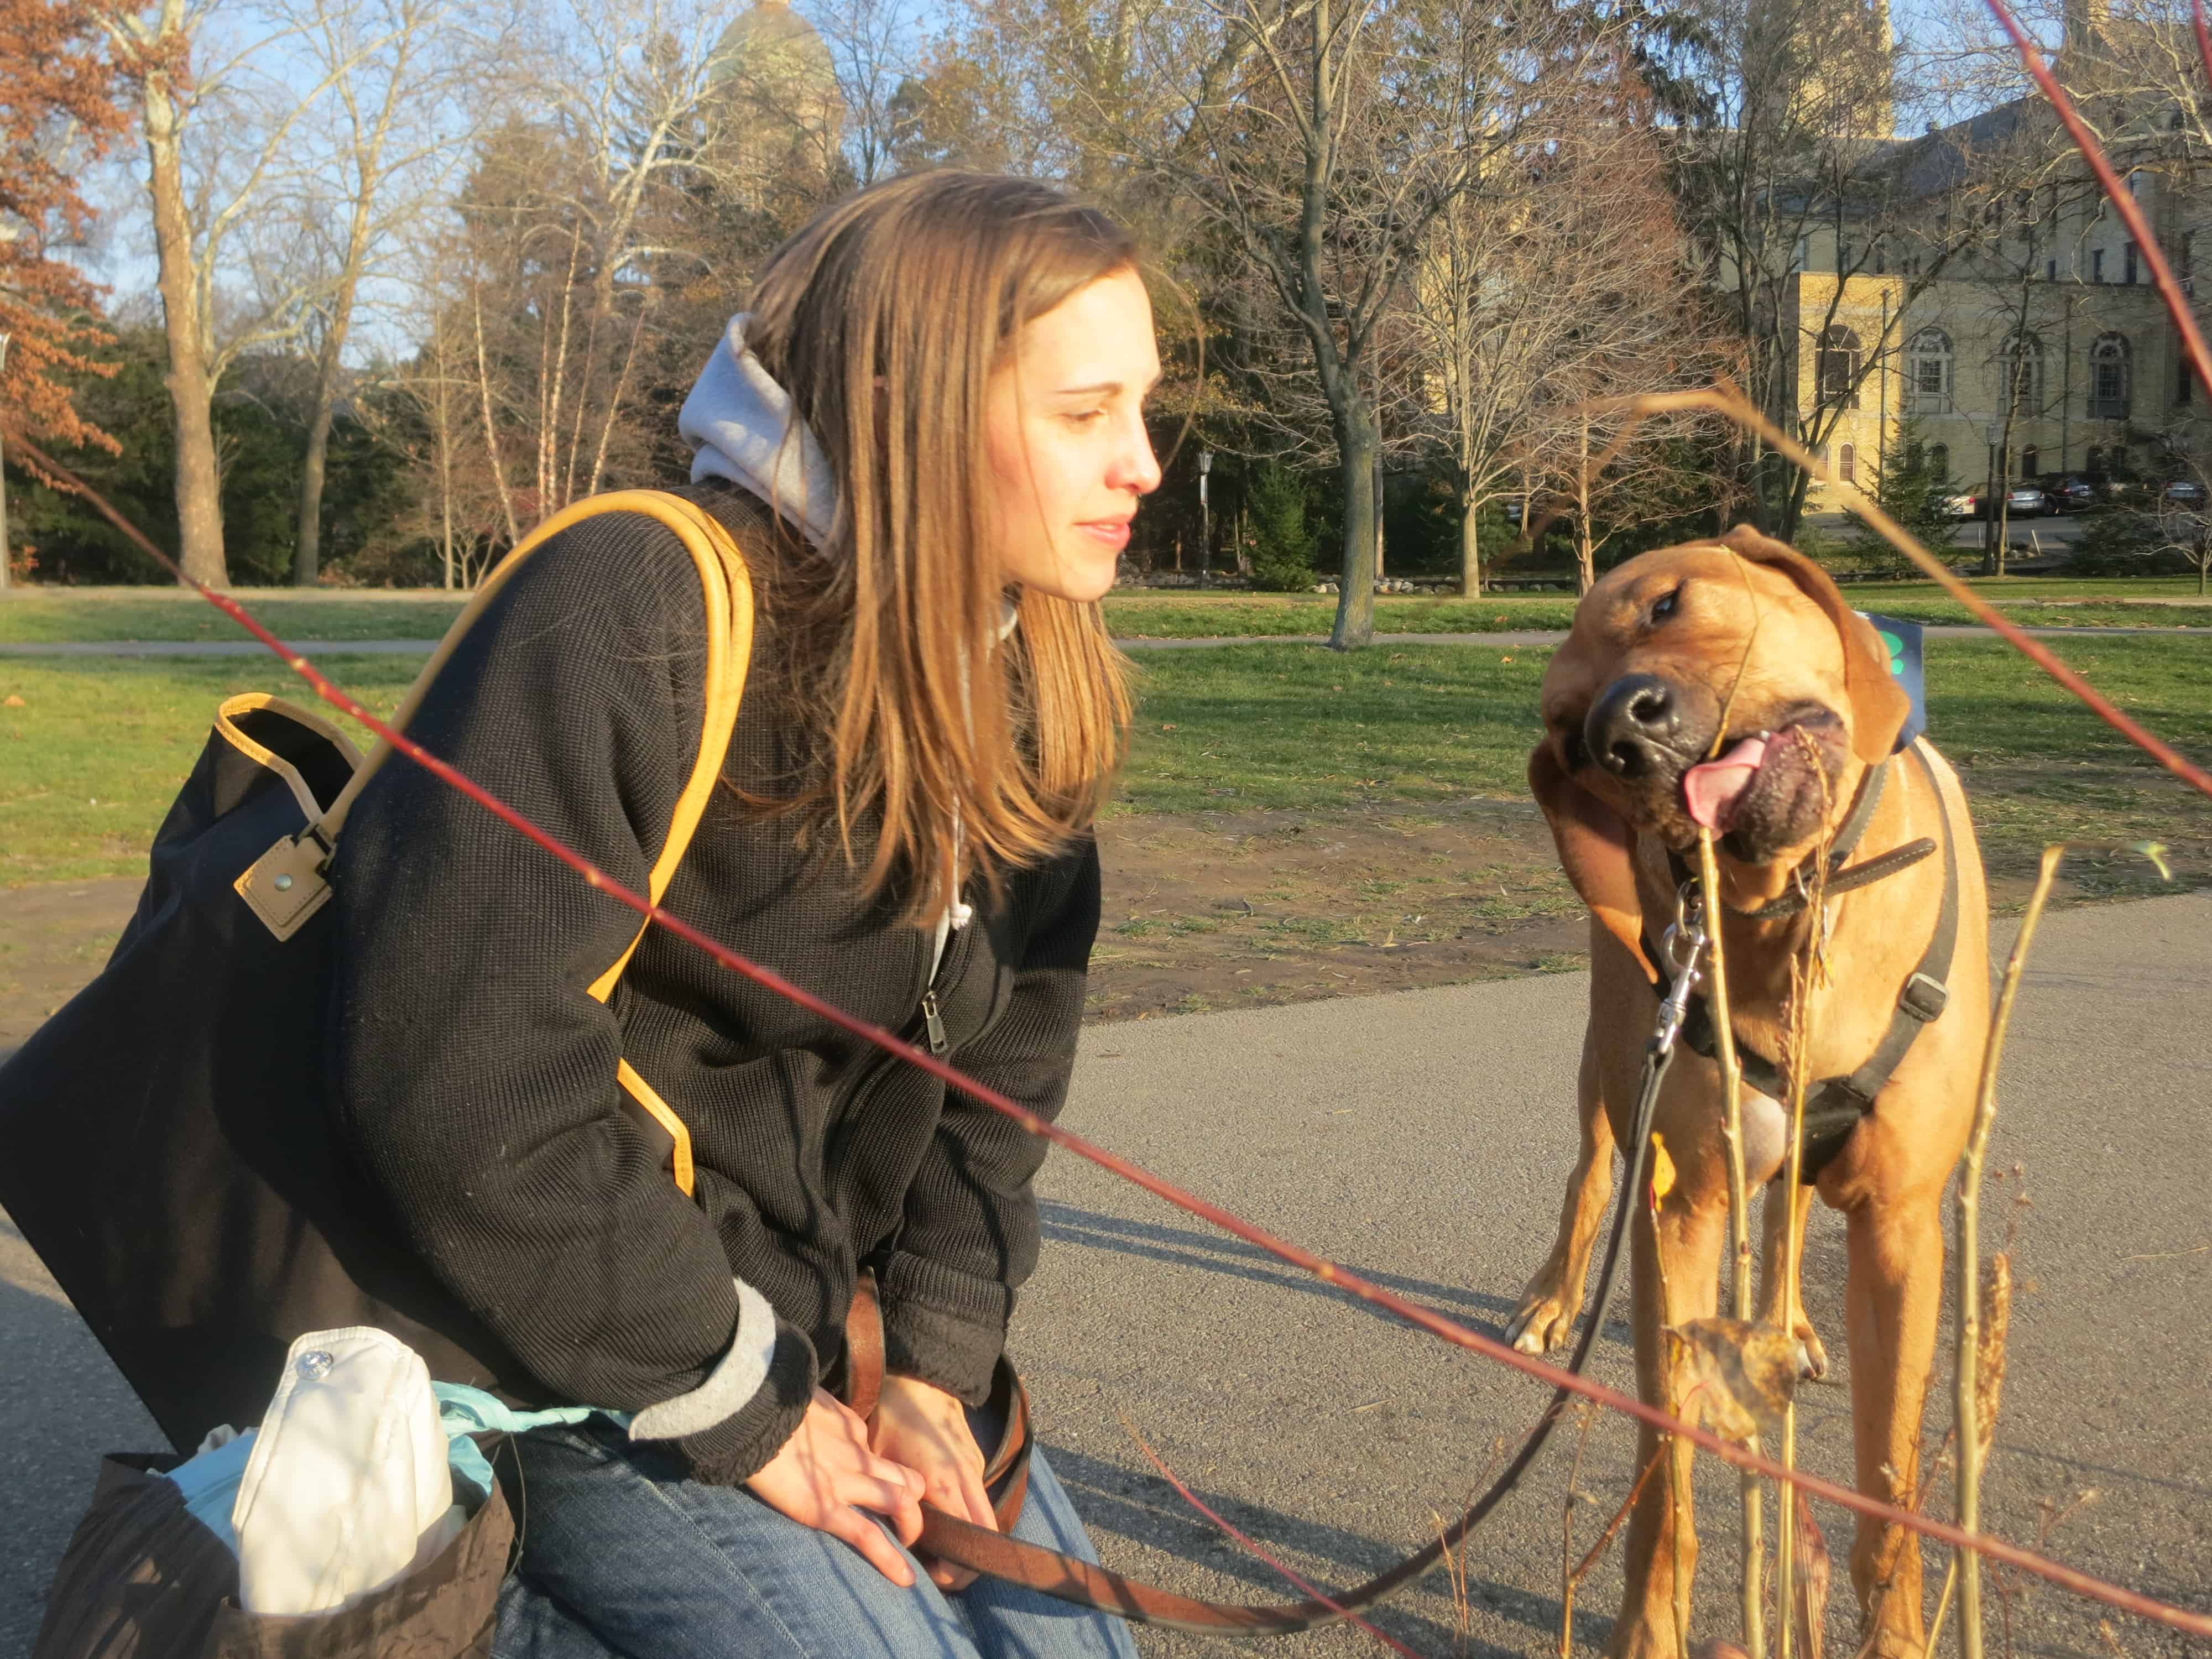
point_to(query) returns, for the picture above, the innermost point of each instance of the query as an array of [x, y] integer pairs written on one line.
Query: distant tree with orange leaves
[[57, 113]]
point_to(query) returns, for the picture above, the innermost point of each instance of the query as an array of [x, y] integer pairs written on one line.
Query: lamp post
[[1205, 521], [4, 338]]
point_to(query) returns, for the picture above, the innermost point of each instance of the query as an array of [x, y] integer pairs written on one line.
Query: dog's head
[[1723, 684]]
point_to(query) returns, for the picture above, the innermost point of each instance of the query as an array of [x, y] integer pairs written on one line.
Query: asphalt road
[[1424, 1137]]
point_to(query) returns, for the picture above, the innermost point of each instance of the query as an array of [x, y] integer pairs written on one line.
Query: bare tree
[[1553, 288], [221, 120], [392, 67]]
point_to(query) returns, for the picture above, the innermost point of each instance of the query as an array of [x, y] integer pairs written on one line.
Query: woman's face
[[1068, 450]]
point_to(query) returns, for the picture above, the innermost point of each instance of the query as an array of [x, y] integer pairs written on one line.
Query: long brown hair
[[885, 319]]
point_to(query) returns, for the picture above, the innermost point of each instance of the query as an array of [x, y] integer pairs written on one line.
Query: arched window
[[1939, 462], [2095, 464], [2022, 381], [2031, 462], [1847, 464], [2108, 378], [1928, 372], [1839, 368]]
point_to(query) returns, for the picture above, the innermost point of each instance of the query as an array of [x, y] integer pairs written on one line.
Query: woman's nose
[[1137, 468]]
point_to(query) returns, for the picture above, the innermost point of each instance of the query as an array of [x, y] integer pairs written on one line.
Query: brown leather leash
[[1005, 1475]]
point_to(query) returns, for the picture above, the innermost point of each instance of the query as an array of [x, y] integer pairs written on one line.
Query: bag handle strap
[[728, 588]]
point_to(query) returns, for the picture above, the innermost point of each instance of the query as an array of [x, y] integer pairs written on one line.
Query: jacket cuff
[[733, 1450], [942, 1327]]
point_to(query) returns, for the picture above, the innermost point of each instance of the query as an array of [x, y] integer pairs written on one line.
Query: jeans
[[621, 1556]]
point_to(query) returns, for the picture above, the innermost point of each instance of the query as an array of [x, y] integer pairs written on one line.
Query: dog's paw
[[1543, 1323], [1812, 1357]]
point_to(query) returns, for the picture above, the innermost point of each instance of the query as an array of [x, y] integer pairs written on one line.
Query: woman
[[927, 435]]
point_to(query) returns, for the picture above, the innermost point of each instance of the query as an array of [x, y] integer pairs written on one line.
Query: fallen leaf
[[1662, 1169], [1743, 1373], [13, 701]]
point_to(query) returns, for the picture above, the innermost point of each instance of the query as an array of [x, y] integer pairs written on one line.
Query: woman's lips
[[1113, 532], [1712, 789]]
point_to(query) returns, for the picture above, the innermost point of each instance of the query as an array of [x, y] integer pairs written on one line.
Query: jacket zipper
[[933, 1022]]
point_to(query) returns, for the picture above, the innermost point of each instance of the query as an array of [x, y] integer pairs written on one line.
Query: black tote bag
[[165, 1144]]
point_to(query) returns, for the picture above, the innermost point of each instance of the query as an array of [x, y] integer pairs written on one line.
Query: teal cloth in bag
[[463, 1411]]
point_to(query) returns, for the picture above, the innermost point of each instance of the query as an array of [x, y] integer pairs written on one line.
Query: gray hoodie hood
[[740, 423]]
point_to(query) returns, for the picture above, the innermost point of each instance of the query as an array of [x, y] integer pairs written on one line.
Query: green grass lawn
[[91, 759], [164, 614], [156, 613]]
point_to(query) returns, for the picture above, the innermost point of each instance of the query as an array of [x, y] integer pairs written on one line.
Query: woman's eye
[[1666, 605], [1084, 417]]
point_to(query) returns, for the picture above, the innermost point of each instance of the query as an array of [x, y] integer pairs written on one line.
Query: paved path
[[420, 647], [1425, 1137]]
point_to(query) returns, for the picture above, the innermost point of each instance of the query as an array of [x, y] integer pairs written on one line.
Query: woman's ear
[[1880, 706], [1596, 849]]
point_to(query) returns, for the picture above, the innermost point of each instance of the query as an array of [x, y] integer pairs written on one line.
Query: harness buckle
[[1924, 998]]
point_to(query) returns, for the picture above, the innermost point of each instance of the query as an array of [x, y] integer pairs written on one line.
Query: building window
[[2021, 380], [2051, 270], [1847, 464], [2031, 462], [1928, 372], [2096, 465], [1839, 368], [2128, 258], [2184, 382], [1939, 462], [2096, 264], [2108, 378]]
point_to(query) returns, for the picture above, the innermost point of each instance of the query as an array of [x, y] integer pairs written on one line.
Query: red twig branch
[[1329, 1272], [1253, 1548]]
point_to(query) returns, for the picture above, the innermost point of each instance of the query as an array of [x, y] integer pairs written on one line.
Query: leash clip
[[1683, 945]]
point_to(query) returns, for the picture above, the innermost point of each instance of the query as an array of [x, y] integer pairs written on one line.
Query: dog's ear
[[1596, 849], [1880, 706]]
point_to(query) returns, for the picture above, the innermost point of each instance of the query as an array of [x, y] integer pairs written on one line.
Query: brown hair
[[885, 319]]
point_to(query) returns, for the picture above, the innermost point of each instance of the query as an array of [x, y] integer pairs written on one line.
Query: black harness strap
[[1834, 1106]]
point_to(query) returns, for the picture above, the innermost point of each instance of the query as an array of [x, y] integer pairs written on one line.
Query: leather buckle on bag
[[286, 884]]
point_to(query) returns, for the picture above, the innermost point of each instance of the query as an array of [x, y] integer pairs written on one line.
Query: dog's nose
[[1632, 725]]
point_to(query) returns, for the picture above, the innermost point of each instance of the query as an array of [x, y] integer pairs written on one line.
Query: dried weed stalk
[[1753, 1556]]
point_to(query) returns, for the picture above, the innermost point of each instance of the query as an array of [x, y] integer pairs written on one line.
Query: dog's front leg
[[1894, 1297], [1546, 1315], [1813, 1360], [1662, 1539]]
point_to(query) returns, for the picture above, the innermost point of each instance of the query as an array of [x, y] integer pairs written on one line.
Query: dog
[[1727, 684]]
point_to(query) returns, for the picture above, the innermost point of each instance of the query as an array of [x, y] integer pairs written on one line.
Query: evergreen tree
[[1282, 560], [1913, 490]]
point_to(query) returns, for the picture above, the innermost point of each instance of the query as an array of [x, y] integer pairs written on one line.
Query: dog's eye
[[1576, 751], [1666, 604]]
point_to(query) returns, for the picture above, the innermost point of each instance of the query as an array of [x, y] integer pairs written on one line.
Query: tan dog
[[1729, 683]]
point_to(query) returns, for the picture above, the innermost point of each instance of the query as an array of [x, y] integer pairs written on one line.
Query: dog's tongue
[[1712, 789]]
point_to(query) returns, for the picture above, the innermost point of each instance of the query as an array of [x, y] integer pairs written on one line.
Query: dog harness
[[1834, 1106]]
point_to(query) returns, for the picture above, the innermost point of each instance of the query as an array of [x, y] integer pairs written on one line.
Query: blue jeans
[[622, 1556]]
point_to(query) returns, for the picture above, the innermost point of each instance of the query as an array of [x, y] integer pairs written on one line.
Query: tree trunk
[[1470, 550], [1357, 446], [308, 540], [198, 482]]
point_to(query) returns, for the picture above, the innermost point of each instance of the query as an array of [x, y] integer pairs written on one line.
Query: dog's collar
[[1848, 836]]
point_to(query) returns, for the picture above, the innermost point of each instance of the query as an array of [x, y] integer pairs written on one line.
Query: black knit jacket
[[474, 1079]]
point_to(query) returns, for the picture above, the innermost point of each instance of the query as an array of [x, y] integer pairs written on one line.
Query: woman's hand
[[825, 1476], [926, 1429]]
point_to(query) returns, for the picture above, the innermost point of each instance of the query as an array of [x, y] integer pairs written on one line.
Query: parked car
[[2070, 492], [2026, 500], [2184, 492], [1963, 504]]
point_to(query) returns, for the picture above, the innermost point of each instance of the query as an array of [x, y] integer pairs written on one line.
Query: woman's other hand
[[826, 1476], [926, 1429]]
